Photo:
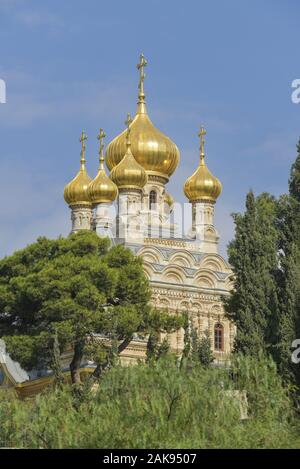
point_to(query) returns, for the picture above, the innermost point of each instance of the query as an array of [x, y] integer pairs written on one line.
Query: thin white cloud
[[276, 147], [32, 205], [225, 226], [33, 19], [198, 113], [30, 99]]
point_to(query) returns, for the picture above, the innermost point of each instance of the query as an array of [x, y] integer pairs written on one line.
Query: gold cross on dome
[[141, 67], [101, 137], [82, 139], [202, 134], [127, 123]]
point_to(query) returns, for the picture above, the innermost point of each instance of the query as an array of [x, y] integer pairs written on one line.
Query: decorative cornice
[[157, 177], [169, 292]]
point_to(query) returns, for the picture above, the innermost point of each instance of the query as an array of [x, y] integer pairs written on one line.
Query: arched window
[[152, 199], [219, 337]]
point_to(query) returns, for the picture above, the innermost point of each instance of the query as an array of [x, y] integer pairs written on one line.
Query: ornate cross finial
[[101, 137], [202, 134], [141, 66], [127, 123], [82, 139]]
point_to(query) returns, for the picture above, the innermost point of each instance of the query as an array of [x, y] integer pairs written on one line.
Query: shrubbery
[[158, 405]]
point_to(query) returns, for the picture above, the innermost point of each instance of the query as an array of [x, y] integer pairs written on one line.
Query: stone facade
[[183, 279]]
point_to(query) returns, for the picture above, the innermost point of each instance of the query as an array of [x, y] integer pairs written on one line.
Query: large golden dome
[[202, 185], [152, 149], [102, 189], [128, 174], [76, 191]]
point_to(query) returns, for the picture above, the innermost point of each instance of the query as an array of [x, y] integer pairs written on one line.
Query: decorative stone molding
[[82, 218]]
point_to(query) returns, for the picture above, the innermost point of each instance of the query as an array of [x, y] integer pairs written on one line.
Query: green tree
[[74, 288], [158, 322], [294, 181], [253, 254], [197, 350], [289, 279], [204, 350], [160, 406]]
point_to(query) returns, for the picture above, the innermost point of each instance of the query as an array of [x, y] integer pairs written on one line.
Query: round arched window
[[152, 199], [219, 337]]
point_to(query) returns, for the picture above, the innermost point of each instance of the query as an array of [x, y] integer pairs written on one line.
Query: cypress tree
[[205, 354], [289, 280], [253, 303], [294, 181]]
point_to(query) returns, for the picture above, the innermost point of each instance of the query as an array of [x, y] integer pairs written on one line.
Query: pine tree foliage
[[74, 288], [159, 406]]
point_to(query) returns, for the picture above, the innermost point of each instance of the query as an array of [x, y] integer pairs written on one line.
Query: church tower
[[156, 153], [76, 195], [130, 177], [202, 189], [102, 192]]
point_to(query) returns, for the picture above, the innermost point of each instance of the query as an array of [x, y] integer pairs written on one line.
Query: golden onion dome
[[102, 189], [76, 191], [168, 199], [129, 174], [153, 150], [202, 185]]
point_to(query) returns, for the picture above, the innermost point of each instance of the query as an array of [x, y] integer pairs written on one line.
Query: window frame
[[152, 198], [219, 337]]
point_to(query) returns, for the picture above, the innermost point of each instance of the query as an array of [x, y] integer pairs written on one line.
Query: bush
[[159, 406]]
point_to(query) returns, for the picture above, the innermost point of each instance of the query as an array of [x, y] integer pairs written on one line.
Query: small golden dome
[[202, 185], [102, 189], [76, 191], [151, 148], [168, 199], [129, 174]]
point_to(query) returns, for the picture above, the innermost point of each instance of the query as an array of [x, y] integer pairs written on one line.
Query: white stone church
[[131, 206]]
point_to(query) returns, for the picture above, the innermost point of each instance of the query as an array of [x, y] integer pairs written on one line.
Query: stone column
[[82, 217], [104, 220], [203, 226], [129, 224]]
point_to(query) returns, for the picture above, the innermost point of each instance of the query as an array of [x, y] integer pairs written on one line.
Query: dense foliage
[[68, 290], [254, 304], [289, 230], [160, 405], [58, 295], [265, 255]]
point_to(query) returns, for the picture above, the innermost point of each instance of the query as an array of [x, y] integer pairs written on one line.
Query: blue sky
[[71, 65]]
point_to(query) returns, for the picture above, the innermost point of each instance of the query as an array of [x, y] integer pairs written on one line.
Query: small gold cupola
[[202, 185], [153, 150], [168, 199], [75, 193], [129, 174], [102, 189]]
